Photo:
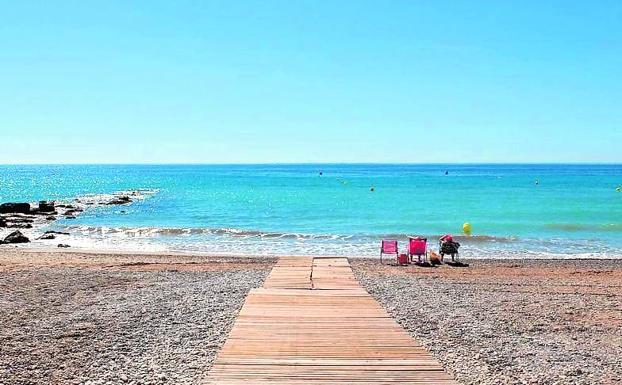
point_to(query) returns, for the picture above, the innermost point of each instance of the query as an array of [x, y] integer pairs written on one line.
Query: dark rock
[[121, 200], [73, 212], [63, 245], [16, 237], [37, 212], [47, 236], [2, 222], [23, 208], [50, 218], [19, 226], [55, 232], [19, 219], [46, 207], [70, 217]]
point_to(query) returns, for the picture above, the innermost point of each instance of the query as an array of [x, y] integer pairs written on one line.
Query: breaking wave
[[246, 233]]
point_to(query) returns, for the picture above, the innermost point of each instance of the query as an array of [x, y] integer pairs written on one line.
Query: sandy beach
[[81, 318]]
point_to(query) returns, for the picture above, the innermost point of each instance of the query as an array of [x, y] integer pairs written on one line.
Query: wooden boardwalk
[[312, 323]]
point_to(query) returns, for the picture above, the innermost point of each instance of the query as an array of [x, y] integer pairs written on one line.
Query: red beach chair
[[388, 246], [418, 247]]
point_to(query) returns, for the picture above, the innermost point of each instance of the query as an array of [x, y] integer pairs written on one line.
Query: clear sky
[[310, 81]]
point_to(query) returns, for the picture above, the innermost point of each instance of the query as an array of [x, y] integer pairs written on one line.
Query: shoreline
[[45, 225], [181, 253]]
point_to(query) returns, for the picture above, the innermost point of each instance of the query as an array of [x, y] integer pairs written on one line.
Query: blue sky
[[310, 81]]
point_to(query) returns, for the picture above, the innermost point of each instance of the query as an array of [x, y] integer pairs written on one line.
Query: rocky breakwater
[[30, 219]]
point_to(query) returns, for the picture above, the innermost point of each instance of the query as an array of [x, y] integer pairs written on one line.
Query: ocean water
[[515, 210]]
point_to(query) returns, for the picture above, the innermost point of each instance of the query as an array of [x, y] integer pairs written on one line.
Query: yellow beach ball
[[467, 228]]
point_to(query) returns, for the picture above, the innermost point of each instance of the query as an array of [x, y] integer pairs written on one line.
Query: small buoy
[[467, 228]]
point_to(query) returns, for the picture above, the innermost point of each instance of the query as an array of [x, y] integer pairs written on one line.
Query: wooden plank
[[312, 323]]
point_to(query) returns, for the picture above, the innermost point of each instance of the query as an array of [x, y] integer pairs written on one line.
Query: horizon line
[[312, 163]]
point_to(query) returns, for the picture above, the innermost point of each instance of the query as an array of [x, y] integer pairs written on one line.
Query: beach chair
[[447, 246], [388, 246], [418, 247]]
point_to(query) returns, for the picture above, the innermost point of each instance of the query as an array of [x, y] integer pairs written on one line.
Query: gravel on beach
[[79, 318], [71, 318], [510, 322]]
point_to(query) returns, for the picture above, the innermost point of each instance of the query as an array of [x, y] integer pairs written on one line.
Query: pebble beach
[[71, 317], [510, 322]]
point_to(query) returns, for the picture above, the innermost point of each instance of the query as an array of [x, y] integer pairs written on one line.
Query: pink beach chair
[[388, 246], [418, 247]]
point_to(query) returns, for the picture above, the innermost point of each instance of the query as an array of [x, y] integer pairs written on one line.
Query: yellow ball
[[466, 228]]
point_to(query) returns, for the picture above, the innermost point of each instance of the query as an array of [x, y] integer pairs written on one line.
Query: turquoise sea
[[528, 210]]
